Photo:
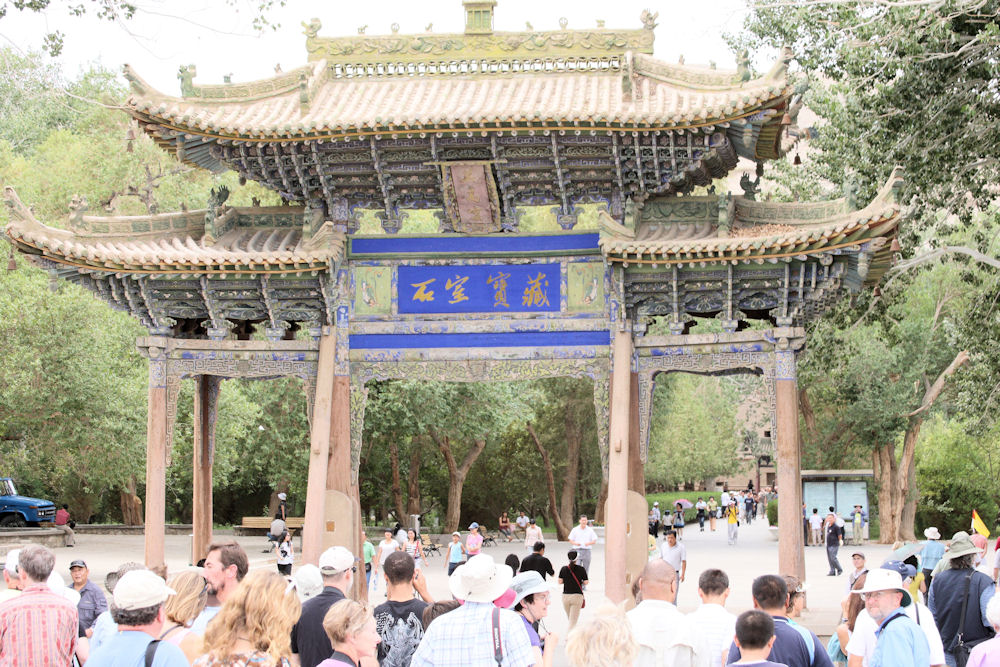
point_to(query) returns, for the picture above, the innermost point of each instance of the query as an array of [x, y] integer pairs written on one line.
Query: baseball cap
[[141, 589], [905, 571], [473, 525], [282, 496], [457, 533], [335, 560], [77, 563]]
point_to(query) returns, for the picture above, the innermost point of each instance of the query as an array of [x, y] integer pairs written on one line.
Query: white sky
[[218, 37]]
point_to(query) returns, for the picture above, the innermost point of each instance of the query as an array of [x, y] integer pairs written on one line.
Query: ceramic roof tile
[[357, 104]]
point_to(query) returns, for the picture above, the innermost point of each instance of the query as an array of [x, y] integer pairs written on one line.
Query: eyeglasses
[[874, 595]]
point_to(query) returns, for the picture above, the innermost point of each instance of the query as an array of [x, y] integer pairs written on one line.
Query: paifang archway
[[566, 301]]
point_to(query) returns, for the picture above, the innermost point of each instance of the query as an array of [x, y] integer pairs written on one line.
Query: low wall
[[15, 538], [122, 529]]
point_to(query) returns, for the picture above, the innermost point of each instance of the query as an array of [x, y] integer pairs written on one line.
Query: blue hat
[[905, 570], [473, 525]]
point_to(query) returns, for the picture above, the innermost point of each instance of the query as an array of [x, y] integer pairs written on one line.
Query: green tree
[[694, 434]]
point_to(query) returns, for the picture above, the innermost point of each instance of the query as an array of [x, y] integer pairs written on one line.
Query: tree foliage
[[694, 434]]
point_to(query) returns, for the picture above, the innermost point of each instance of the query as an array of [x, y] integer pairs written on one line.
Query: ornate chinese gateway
[[477, 128]]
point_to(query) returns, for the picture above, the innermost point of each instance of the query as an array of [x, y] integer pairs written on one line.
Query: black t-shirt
[[538, 563], [834, 534], [400, 626], [309, 638], [569, 583]]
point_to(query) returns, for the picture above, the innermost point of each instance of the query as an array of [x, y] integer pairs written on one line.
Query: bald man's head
[[657, 580]]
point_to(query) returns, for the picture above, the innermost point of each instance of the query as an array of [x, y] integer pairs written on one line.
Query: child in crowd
[[754, 638], [286, 554]]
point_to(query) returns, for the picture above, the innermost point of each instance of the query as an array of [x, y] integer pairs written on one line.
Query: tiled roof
[[241, 249], [760, 231], [641, 92]]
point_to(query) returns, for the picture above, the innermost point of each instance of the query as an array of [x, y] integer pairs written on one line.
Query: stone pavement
[[756, 553]]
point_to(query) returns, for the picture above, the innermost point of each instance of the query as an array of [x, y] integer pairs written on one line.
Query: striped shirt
[[464, 637], [37, 628]]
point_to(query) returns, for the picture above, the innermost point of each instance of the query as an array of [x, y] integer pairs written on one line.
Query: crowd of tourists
[[931, 608]]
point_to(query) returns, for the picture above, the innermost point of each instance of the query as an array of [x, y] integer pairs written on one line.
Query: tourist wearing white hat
[[465, 636], [137, 608], [863, 638], [531, 601], [310, 643], [931, 553], [901, 642]]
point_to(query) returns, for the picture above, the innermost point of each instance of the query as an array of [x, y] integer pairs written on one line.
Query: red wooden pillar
[[156, 458], [791, 545]]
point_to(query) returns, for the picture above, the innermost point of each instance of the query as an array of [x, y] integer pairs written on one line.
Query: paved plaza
[[755, 554]]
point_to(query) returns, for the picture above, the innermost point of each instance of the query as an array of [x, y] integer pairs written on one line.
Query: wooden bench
[[259, 525], [428, 546]]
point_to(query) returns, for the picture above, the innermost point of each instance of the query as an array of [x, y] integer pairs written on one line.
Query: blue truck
[[17, 511]]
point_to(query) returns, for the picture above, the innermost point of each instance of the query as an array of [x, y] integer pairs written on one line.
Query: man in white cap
[[39, 626], [137, 608], [465, 636], [863, 638], [901, 642], [10, 577], [337, 565]]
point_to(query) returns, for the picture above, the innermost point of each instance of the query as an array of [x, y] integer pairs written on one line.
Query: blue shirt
[[455, 552], [901, 643], [128, 649], [790, 648], [932, 553], [104, 629]]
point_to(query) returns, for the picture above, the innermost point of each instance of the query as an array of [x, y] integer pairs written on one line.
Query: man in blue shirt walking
[[900, 641]]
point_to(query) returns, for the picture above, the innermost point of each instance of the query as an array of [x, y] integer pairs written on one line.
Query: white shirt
[[863, 638], [815, 521], [724, 499], [656, 513], [718, 626], [386, 547], [666, 637], [582, 537], [674, 555], [521, 521]]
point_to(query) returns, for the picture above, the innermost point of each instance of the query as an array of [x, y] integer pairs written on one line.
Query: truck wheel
[[13, 521]]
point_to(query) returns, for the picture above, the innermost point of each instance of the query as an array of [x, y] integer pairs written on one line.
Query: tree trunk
[[456, 475], [889, 507], [273, 502], [131, 505], [602, 498], [567, 501], [413, 481], [397, 488], [562, 533], [907, 490]]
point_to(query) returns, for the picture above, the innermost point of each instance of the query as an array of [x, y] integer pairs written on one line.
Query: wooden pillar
[[319, 451], [791, 546], [339, 475], [636, 469], [156, 458], [618, 461], [206, 395]]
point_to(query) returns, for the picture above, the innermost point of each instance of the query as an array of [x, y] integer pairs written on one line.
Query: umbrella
[[685, 503], [907, 550]]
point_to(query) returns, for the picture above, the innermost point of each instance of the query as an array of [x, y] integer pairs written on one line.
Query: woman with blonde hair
[[350, 626], [254, 626], [181, 610], [603, 640]]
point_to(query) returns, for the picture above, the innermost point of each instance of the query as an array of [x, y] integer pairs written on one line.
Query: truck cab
[[17, 511]]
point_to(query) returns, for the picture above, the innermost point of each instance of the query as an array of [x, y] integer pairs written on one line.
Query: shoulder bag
[[961, 650], [579, 585], [497, 643]]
